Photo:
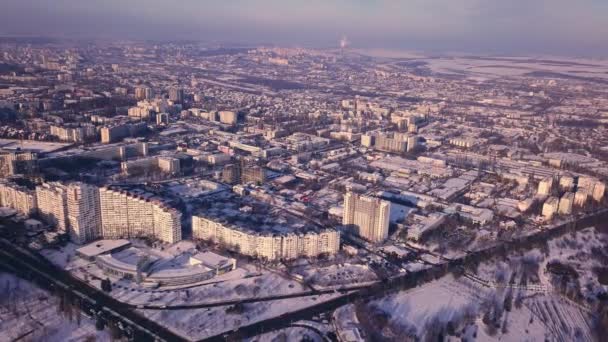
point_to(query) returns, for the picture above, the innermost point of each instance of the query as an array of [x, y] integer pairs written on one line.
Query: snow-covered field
[[583, 252], [444, 300], [489, 68], [461, 308], [288, 334], [511, 299], [31, 313]]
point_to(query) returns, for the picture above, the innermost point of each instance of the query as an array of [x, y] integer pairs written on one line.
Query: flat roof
[[230, 210], [102, 246], [211, 259], [186, 271], [31, 145]]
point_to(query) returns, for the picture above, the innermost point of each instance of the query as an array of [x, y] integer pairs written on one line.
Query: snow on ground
[[579, 250], [542, 310], [325, 198], [165, 251], [345, 274], [288, 334], [324, 327], [346, 322], [244, 282], [27, 309], [564, 320], [465, 305], [415, 266], [517, 270], [522, 326], [444, 299], [490, 68], [268, 284], [61, 257], [197, 324]]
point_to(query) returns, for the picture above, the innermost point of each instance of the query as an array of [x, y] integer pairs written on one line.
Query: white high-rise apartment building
[[114, 211], [87, 212], [125, 215], [167, 223], [369, 216], [550, 208], [73, 208], [52, 204], [566, 203], [17, 162], [598, 191], [594, 187], [17, 197], [580, 197], [84, 216], [545, 186]]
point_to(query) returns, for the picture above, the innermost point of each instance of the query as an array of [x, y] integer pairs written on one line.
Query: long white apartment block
[[127, 215], [51, 199], [265, 244]]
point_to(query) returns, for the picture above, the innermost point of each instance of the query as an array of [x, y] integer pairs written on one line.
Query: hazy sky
[[574, 27]]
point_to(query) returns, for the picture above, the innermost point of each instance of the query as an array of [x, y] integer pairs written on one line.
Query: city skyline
[[470, 26], [363, 170]]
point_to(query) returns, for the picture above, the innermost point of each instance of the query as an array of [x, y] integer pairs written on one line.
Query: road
[[245, 300], [413, 279], [93, 301], [44, 269]]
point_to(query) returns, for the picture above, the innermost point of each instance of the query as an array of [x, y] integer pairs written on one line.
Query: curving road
[[93, 301], [102, 303]]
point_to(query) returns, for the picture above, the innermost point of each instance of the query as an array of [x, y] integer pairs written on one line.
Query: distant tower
[[343, 45], [176, 94], [344, 42], [144, 93]]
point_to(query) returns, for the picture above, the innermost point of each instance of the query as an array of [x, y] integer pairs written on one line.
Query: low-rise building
[[550, 207], [165, 164], [463, 142], [565, 203], [77, 134]]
